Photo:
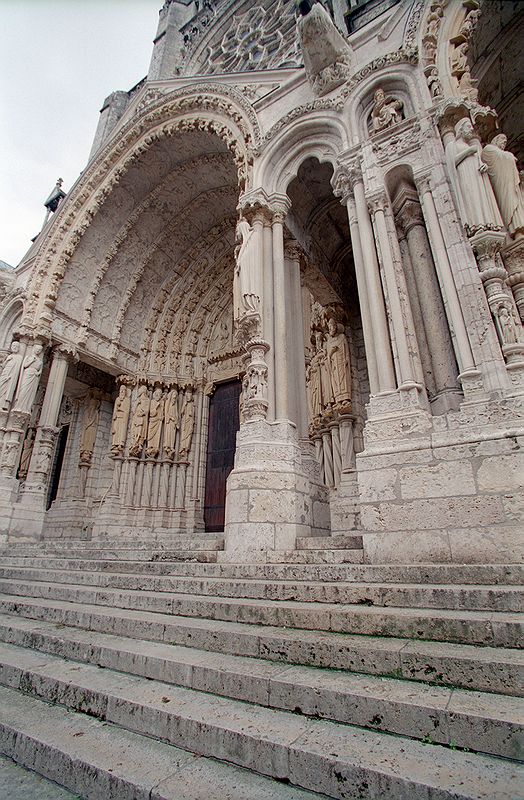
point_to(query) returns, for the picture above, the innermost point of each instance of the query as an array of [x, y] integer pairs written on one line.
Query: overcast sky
[[59, 59]]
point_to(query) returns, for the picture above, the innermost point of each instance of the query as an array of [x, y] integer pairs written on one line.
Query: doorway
[[224, 423]]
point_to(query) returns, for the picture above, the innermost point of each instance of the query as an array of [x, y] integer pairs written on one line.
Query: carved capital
[[422, 182], [292, 250], [409, 216], [345, 177], [65, 351], [377, 202]]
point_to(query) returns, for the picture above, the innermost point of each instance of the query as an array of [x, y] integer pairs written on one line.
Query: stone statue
[[469, 23], [172, 420], [27, 450], [505, 180], [138, 430], [9, 376], [314, 377], [32, 366], [459, 59], [476, 202], [510, 332], [119, 422], [467, 87], [87, 442], [386, 112], [327, 55], [434, 85], [187, 415], [339, 363], [246, 295], [433, 22], [156, 420]]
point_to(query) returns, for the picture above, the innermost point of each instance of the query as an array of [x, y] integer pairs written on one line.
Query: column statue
[[87, 443], [9, 376], [172, 420], [119, 422], [505, 180], [339, 362], [314, 377], [187, 416], [156, 420], [468, 173], [138, 430], [246, 295], [32, 366]]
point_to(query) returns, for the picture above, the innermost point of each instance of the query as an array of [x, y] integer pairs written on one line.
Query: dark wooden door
[[223, 426]]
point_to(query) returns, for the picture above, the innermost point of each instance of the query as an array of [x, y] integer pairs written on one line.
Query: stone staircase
[[152, 672]]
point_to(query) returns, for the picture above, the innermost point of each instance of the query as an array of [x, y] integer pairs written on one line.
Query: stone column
[[378, 205], [372, 288], [448, 289], [47, 432], [281, 316], [432, 313], [342, 189], [28, 517], [513, 256], [268, 312], [296, 323]]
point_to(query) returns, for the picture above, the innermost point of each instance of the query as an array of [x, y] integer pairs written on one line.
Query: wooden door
[[223, 426]]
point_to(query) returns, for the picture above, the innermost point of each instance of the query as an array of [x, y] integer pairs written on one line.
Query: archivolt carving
[[216, 198], [208, 108]]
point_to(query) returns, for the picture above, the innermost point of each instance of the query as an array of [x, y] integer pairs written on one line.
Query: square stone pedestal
[[271, 500]]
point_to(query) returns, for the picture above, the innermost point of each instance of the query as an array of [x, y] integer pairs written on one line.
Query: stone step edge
[[377, 595], [213, 579], [472, 627], [238, 571], [467, 666], [440, 715], [78, 752], [278, 744]]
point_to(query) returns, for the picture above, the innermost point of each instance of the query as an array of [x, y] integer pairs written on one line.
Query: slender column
[[46, 432], [268, 315], [328, 458], [378, 206], [433, 316], [383, 357], [280, 321], [457, 326], [337, 454], [342, 183], [296, 321]]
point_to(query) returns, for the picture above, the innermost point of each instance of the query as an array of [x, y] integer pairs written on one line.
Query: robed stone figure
[[9, 376]]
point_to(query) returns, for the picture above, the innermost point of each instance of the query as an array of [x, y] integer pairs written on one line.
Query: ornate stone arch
[[10, 320], [209, 108], [319, 134]]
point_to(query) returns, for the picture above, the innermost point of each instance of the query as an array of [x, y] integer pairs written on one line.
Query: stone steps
[[485, 669], [335, 759], [482, 722], [460, 597], [336, 542], [98, 760], [319, 556], [466, 627], [465, 574]]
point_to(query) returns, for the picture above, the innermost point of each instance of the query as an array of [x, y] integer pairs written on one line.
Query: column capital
[[377, 201], [292, 250], [257, 203], [409, 216], [422, 182], [345, 177], [65, 351]]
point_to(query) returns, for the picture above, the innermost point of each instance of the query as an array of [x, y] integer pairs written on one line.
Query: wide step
[[323, 756], [481, 722], [98, 760], [484, 669]]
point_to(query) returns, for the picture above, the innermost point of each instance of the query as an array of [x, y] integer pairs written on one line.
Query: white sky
[[59, 59]]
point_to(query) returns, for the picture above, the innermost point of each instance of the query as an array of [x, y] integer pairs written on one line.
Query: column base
[[271, 499]]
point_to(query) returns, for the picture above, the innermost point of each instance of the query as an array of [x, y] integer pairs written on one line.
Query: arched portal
[[334, 357], [147, 298]]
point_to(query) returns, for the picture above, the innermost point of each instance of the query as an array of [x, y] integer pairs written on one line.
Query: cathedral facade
[[283, 301]]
